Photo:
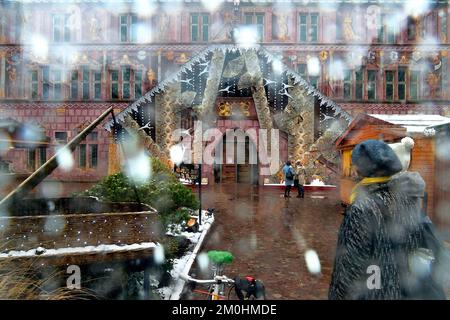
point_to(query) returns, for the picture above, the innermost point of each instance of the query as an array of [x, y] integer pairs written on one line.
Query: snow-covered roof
[[100, 249], [414, 123]]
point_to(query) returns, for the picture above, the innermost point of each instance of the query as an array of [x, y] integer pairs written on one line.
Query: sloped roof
[[414, 123], [360, 120], [203, 56]]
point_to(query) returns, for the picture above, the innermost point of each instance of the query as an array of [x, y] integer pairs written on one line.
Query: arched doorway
[[236, 159]]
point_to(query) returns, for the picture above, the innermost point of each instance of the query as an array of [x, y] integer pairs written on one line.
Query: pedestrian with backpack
[[299, 179], [289, 174]]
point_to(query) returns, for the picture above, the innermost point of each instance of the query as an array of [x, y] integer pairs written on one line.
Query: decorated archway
[[227, 87]]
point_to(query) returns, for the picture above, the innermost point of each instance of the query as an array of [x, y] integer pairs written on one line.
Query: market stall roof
[[414, 123], [203, 58], [365, 126]]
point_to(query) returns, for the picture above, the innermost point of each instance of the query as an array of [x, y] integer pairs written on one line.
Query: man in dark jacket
[[380, 252]]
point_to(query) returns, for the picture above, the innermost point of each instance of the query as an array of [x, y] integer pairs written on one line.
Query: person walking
[[289, 173], [216, 171], [383, 250], [299, 179]]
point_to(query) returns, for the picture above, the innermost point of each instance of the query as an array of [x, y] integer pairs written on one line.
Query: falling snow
[[320, 73]]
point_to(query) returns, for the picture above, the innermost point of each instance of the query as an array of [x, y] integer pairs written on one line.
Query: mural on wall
[[30, 22], [151, 77], [13, 75], [434, 75], [182, 58], [74, 22], [348, 29], [280, 29], [95, 26], [224, 109], [372, 16], [415, 29], [235, 109], [163, 26], [222, 29]]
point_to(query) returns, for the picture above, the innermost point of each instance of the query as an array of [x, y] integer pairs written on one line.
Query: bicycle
[[247, 288]]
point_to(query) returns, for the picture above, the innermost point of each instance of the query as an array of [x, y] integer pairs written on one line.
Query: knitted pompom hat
[[374, 158]]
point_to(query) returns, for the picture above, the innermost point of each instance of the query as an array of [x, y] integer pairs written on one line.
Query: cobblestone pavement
[[269, 235]]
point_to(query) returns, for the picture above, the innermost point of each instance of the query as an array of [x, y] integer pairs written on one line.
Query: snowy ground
[[183, 265], [103, 248]]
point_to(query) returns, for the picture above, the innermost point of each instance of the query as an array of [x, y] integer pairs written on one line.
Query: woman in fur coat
[[383, 250]]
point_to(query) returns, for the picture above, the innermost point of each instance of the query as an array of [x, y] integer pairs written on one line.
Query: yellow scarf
[[366, 182]]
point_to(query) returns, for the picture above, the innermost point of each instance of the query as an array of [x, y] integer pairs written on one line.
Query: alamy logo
[[74, 280], [208, 147], [374, 280]]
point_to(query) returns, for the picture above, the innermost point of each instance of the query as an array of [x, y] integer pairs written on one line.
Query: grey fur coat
[[383, 228]]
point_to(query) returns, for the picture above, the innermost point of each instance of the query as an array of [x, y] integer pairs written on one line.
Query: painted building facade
[[62, 64]]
